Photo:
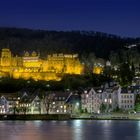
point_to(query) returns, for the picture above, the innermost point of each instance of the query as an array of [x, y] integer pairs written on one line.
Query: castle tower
[[6, 57]]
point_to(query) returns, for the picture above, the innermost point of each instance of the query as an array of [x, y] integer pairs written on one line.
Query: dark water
[[70, 130]]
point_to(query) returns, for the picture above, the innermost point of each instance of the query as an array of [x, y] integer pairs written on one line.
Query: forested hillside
[[46, 42]]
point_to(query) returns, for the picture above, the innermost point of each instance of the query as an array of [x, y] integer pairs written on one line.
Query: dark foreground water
[[70, 130]]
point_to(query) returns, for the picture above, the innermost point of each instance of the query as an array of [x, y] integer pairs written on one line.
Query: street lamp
[[47, 85], [77, 104], [68, 89], [28, 82]]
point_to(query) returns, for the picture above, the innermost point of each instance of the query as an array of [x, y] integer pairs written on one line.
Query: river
[[70, 130]]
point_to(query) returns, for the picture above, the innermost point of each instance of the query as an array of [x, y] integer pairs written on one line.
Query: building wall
[[126, 101], [91, 101], [31, 66]]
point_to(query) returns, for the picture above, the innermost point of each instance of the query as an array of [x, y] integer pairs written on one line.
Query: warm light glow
[[97, 70], [31, 66]]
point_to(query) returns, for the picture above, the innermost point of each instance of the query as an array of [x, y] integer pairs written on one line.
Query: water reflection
[[70, 130], [138, 129], [106, 124], [77, 130]]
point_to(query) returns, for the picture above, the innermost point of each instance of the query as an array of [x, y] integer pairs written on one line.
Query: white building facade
[[126, 99]]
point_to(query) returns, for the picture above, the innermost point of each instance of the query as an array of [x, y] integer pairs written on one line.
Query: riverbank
[[69, 117], [36, 117], [114, 116]]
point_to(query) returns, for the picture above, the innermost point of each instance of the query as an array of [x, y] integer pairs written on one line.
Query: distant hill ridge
[[46, 42]]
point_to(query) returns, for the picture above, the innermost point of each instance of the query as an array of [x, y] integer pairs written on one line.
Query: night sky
[[120, 17]]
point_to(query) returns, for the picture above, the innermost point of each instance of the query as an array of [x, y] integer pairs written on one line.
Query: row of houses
[[98, 100], [92, 100], [27, 103]]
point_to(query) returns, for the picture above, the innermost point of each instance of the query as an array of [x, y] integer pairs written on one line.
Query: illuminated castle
[[32, 66]]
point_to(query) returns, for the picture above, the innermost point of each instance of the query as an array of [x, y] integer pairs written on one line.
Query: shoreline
[[35, 117], [61, 117]]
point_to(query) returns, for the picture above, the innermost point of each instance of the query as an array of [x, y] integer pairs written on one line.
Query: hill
[[46, 42]]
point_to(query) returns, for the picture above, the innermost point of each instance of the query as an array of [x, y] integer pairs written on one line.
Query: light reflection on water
[[77, 130], [70, 130]]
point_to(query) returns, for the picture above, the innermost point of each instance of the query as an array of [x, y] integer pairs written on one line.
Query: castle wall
[[31, 66]]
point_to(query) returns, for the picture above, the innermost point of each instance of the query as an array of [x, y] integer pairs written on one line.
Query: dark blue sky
[[121, 17]]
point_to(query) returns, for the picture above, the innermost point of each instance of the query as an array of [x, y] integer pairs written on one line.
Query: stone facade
[[32, 66]]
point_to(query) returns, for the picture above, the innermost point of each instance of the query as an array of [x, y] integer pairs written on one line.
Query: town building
[[56, 102], [93, 99], [31, 103], [126, 99]]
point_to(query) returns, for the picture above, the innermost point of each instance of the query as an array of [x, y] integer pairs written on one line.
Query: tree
[[114, 58], [107, 71], [85, 111], [24, 110], [91, 61], [103, 108], [117, 109], [125, 74], [14, 110], [137, 103], [133, 56]]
